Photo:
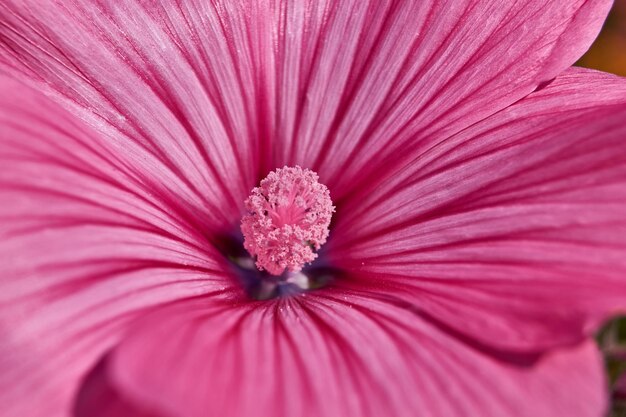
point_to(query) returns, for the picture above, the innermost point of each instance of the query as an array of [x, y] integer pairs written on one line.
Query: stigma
[[287, 221]]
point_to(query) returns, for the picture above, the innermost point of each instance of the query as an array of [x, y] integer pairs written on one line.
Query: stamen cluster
[[288, 219]]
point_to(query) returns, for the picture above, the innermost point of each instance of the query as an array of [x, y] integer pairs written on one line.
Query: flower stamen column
[[287, 221]]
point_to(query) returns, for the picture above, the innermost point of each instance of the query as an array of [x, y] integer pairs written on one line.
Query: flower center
[[287, 220]]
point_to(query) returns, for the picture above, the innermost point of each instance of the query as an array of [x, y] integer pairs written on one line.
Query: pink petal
[[391, 79], [86, 246], [97, 398], [335, 355], [161, 82], [217, 88], [513, 231]]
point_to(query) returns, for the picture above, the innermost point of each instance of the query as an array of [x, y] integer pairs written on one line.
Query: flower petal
[[332, 355], [161, 81], [248, 86], [372, 84], [512, 231], [97, 398], [85, 245]]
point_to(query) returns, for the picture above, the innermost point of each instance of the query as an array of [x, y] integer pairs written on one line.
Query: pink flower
[[479, 236]]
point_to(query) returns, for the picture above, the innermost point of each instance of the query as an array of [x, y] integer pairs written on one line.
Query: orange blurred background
[[608, 52]]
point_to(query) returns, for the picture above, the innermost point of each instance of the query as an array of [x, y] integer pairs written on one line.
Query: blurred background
[[608, 53]]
